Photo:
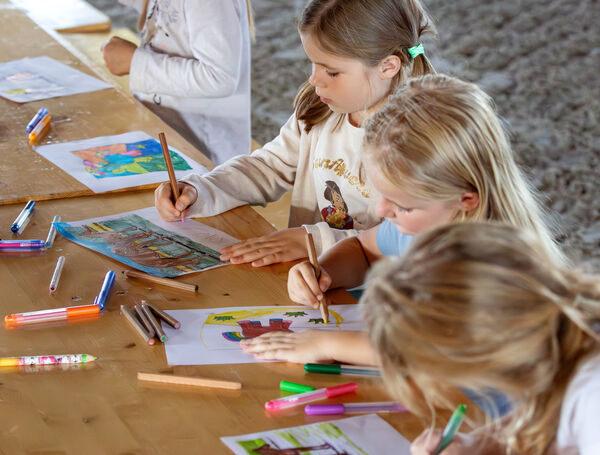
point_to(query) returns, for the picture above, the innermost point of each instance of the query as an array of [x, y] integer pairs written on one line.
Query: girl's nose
[[314, 78], [384, 208]]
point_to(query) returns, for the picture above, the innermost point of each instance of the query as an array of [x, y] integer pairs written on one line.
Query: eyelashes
[[332, 74]]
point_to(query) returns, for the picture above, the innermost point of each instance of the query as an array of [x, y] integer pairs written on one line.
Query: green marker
[[452, 427], [334, 368], [295, 388]]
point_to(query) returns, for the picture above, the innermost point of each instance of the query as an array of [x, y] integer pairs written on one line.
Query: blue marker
[[20, 220], [102, 298], [36, 119]]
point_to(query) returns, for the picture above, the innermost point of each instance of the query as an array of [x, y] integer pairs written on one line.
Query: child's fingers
[[324, 281], [311, 285], [164, 204], [426, 443], [187, 197], [298, 288]]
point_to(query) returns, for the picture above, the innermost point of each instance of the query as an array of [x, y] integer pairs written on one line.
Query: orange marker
[[56, 314], [40, 129]]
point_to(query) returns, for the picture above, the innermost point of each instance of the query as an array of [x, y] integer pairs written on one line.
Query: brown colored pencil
[[169, 164], [136, 325], [154, 323], [159, 280], [162, 315], [187, 380], [145, 322], [312, 257]]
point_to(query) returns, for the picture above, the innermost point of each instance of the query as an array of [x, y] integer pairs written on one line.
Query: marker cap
[[327, 368], [323, 409], [341, 389], [294, 387]]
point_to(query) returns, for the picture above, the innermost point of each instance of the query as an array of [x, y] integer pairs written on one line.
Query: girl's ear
[[469, 201], [389, 67]]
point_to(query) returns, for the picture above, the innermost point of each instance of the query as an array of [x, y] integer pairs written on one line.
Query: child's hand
[[303, 286], [428, 442], [118, 54], [163, 200], [299, 347], [281, 246]]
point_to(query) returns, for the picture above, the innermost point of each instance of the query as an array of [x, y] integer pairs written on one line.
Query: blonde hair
[[439, 137], [479, 305], [366, 30]]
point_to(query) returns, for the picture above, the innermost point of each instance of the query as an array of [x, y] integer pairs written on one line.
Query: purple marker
[[36, 119], [352, 408]]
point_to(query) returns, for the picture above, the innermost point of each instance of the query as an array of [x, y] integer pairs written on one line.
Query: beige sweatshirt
[[322, 168]]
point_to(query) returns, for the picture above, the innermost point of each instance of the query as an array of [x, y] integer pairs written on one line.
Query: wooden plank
[[26, 175]]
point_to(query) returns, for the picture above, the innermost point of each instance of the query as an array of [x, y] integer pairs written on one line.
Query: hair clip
[[416, 50]]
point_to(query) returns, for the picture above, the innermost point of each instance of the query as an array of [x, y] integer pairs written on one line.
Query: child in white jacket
[[192, 69], [360, 50]]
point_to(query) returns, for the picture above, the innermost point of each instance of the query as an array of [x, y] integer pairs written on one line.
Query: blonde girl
[[192, 69], [436, 153], [360, 51], [476, 305]]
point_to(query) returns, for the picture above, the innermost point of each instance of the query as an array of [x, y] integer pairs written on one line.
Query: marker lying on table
[[55, 314], [331, 368], [307, 397], [20, 220], [46, 360], [452, 427], [352, 408], [40, 129], [39, 115], [52, 232], [288, 386], [22, 245], [107, 284], [56, 275]]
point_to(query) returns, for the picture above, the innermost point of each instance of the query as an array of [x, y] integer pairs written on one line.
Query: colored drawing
[[134, 158], [295, 314], [109, 163], [362, 435], [211, 336], [317, 321], [137, 239], [31, 79], [252, 329]]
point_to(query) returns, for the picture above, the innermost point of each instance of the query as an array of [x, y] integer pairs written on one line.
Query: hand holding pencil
[[312, 256]]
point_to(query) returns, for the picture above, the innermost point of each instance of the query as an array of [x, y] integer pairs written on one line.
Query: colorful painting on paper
[[134, 158], [211, 336], [138, 241], [362, 435], [109, 163], [31, 79]]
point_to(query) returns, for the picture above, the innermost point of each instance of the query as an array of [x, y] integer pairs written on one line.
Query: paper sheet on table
[[110, 163], [212, 335], [362, 435], [143, 240], [39, 78]]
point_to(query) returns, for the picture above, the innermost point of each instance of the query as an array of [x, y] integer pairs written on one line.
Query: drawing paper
[[362, 435], [111, 163], [39, 78], [143, 240], [212, 335]]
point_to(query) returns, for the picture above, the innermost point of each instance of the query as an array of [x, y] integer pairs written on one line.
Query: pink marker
[[307, 397]]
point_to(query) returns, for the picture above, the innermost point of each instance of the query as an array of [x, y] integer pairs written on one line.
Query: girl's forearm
[[346, 263], [351, 347]]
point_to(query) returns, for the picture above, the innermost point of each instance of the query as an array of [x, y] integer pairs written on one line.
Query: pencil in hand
[[312, 257], [170, 170]]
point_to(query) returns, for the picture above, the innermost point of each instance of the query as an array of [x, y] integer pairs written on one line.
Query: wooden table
[[24, 174], [101, 408]]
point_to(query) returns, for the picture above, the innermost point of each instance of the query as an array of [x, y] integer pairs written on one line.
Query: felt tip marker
[[352, 408], [39, 115], [56, 275], [52, 231], [25, 213], [452, 427], [22, 244], [107, 285], [40, 129], [307, 397], [329, 368], [46, 360], [294, 387], [56, 314]]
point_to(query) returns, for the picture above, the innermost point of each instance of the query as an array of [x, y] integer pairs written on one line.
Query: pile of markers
[[147, 324], [39, 125]]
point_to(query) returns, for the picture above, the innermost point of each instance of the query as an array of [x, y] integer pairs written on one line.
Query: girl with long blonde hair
[[360, 51], [475, 306], [436, 153]]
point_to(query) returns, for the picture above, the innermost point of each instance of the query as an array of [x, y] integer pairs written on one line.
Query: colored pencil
[[312, 257], [158, 280], [170, 170], [187, 380], [136, 325]]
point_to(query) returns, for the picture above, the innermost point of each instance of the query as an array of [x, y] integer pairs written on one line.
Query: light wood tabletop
[[24, 174]]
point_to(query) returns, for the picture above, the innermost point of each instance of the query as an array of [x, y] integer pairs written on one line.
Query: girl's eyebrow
[[326, 66]]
